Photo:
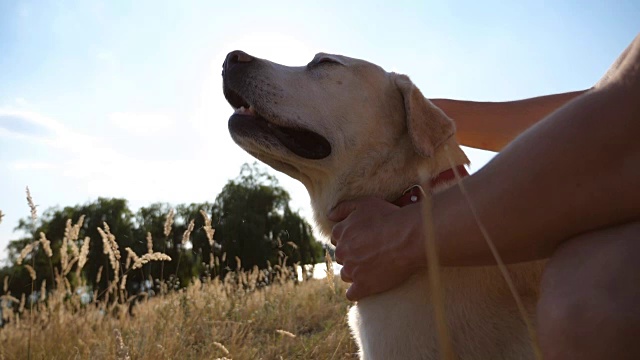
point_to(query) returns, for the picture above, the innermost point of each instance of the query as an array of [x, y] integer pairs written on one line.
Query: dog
[[347, 129]]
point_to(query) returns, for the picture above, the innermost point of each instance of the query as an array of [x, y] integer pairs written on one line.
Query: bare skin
[[564, 189]]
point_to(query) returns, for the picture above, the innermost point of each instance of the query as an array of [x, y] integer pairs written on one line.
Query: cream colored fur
[[382, 132]]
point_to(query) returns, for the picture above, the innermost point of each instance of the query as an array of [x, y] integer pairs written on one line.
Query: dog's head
[[343, 127]]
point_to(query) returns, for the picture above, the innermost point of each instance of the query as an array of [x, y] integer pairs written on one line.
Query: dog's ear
[[428, 126]]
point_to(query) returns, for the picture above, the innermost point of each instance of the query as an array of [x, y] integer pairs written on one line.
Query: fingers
[[344, 275], [340, 253], [336, 233], [341, 211], [355, 292]]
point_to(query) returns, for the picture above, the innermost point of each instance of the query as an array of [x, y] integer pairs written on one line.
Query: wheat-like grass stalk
[[157, 256], [221, 347], [31, 270], [32, 206], [23, 301], [99, 275], [286, 333], [435, 286], [168, 222], [64, 248], [112, 241], [34, 217], [123, 283], [70, 266], [132, 257], [1, 216], [67, 284], [122, 352], [209, 231], [501, 265], [8, 297], [46, 245], [329, 272], [84, 253], [25, 252], [74, 248], [43, 290], [149, 243], [74, 233], [187, 233], [110, 248]]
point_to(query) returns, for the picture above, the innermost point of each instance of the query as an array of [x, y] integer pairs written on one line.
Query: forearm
[[492, 125], [580, 171]]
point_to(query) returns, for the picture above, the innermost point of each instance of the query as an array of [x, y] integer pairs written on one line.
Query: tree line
[[250, 224]]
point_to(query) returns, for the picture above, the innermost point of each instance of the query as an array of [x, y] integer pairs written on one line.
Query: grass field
[[204, 321], [210, 319]]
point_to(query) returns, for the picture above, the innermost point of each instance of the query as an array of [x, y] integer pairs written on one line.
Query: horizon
[[112, 99]]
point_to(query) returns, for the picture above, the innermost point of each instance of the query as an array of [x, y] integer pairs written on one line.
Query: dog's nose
[[235, 58]]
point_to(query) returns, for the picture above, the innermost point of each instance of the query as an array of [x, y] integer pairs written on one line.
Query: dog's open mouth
[[245, 121]]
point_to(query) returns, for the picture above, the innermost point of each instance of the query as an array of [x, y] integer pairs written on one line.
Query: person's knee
[[562, 316], [589, 291]]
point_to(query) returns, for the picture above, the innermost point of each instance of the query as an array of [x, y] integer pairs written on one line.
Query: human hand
[[377, 243]]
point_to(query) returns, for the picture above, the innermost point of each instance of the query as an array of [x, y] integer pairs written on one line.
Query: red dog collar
[[415, 193]]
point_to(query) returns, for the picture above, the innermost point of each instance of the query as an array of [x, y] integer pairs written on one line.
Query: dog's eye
[[322, 61], [325, 59]]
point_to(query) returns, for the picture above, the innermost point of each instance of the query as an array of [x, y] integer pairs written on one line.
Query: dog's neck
[[387, 181]]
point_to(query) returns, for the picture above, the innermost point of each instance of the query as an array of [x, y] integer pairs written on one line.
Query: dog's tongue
[[304, 143]]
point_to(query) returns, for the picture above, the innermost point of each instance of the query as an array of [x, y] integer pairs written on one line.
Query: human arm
[[582, 173], [492, 125], [576, 171]]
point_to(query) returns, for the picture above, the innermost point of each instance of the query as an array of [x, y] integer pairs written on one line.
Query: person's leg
[[590, 302]]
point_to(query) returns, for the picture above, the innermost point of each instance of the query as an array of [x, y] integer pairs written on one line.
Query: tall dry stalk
[[329, 271], [186, 236], [435, 286], [209, 231], [34, 216], [168, 223], [496, 255], [46, 246], [122, 352]]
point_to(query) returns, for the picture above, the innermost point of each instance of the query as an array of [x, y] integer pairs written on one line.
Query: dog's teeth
[[245, 111]]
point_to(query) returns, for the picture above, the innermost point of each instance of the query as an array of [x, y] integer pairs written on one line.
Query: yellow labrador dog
[[346, 128]]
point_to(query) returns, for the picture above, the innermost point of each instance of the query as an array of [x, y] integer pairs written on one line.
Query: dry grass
[[205, 321], [211, 319]]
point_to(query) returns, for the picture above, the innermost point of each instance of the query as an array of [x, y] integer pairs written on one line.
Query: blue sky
[[120, 98]]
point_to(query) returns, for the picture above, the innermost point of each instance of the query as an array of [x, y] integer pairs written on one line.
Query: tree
[[256, 224], [251, 217], [53, 223]]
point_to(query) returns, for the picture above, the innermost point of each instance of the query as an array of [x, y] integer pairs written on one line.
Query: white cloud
[[32, 165], [21, 102]]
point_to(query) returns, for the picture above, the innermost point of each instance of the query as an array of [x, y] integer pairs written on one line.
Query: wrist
[[412, 254]]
